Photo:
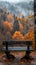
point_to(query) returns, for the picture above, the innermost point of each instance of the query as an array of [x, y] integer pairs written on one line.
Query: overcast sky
[[16, 1]]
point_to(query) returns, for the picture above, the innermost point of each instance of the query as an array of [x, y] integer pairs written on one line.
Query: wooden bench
[[9, 46]]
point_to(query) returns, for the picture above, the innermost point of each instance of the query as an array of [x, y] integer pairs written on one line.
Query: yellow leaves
[[18, 36], [30, 36], [31, 16]]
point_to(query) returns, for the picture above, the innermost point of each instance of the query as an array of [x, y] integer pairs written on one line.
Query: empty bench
[[9, 46]]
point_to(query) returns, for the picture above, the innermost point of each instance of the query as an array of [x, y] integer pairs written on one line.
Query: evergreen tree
[[15, 25]]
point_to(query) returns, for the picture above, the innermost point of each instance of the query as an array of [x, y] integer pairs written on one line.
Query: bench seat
[[17, 48]]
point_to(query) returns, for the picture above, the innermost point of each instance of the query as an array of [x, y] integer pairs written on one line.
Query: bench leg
[[9, 56], [27, 55]]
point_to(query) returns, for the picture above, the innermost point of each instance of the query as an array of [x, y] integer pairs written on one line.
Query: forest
[[16, 28]]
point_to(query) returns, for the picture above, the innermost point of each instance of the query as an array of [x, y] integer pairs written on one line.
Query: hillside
[[18, 8]]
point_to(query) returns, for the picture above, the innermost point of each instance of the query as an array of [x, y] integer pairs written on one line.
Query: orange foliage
[[8, 25], [21, 26], [18, 19], [24, 19], [18, 36], [30, 36]]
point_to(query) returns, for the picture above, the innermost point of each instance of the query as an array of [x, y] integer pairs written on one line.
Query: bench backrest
[[17, 42]]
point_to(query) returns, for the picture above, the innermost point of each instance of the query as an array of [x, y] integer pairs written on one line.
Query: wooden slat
[[17, 42], [17, 49]]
